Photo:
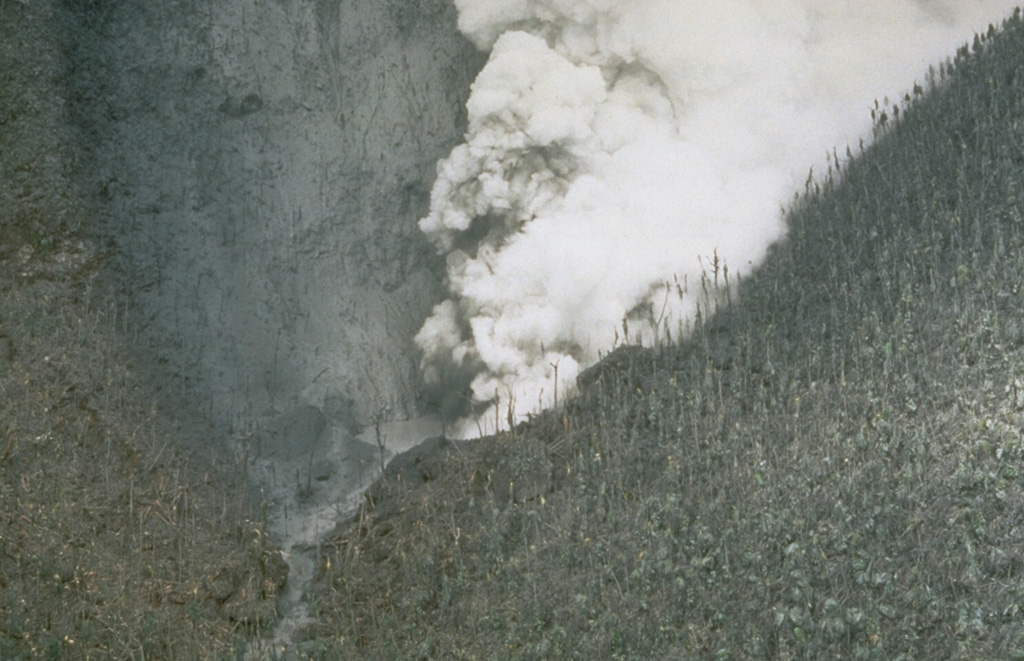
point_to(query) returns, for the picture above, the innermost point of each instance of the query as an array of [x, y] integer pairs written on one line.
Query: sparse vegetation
[[117, 539], [124, 534], [828, 468]]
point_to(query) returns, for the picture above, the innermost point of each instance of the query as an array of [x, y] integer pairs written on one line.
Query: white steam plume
[[614, 144]]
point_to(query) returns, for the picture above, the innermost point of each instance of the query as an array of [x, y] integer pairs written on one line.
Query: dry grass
[[116, 540]]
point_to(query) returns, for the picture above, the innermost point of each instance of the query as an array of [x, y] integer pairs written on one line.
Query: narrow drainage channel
[[313, 477]]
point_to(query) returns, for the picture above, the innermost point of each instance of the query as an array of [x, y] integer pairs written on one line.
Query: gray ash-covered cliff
[[259, 168]]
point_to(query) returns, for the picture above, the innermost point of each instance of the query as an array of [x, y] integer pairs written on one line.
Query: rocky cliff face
[[259, 167]]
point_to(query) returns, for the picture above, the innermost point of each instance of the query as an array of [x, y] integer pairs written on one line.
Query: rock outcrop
[[259, 168]]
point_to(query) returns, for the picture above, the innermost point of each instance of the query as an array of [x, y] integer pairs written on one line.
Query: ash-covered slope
[[260, 168]]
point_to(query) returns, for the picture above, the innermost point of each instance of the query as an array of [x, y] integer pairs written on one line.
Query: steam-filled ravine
[[338, 228]]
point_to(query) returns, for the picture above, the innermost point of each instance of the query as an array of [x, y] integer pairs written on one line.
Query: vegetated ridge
[[829, 467]]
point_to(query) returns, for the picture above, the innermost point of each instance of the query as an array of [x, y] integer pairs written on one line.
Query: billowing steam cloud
[[615, 147]]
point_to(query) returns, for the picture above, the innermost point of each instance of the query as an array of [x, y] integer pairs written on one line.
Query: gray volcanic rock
[[259, 168], [295, 434]]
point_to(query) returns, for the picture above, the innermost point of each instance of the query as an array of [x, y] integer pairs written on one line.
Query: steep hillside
[[123, 531], [258, 169], [207, 218], [830, 467]]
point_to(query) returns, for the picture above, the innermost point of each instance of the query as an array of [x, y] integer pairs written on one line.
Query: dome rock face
[[259, 169]]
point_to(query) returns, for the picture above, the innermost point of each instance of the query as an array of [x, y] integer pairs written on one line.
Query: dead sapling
[[379, 418]]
